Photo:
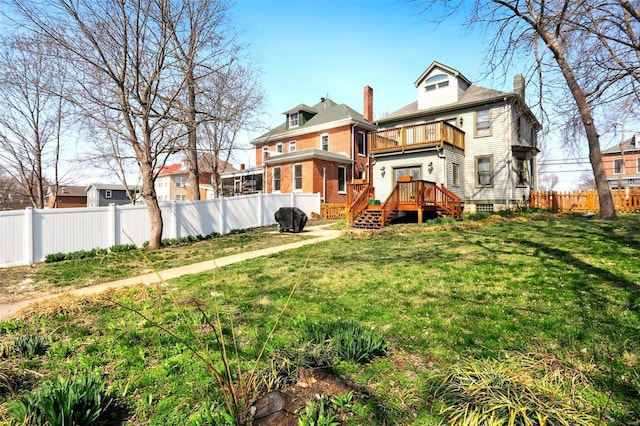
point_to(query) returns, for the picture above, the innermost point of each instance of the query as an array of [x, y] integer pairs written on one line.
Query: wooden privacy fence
[[625, 200], [333, 210]]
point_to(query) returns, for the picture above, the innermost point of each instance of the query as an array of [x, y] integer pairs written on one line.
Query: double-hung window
[[618, 166], [292, 146], [483, 123], [279, 147], [324, 142], [276, 179], [342, 179], [297, 177], [456, 174], [293, 120], [484, 170], [362, 144]]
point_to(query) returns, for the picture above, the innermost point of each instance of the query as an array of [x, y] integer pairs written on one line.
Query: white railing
[[28, 236]]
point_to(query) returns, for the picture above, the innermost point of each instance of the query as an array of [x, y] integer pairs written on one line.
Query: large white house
[[477, 142]]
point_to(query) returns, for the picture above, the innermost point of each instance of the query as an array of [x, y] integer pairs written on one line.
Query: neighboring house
[[172, 181], [478, 143], [67, 196], [622, 163], [318, 149], [104, 194]]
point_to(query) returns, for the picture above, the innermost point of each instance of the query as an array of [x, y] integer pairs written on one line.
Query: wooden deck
[[420, 196], [435, 134]]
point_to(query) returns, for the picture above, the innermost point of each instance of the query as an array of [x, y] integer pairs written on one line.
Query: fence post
[[28, 237], [554, 202], [111, 220], [260, 209], [223, 217]]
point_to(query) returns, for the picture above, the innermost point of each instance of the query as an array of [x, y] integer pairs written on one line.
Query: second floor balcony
[[416, 136]]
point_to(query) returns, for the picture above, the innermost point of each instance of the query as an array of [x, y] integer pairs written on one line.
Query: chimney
[[518, 85], [368, 103], [241, 166]]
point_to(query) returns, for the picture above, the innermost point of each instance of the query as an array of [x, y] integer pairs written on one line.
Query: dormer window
[[293, 119], [437, 81]]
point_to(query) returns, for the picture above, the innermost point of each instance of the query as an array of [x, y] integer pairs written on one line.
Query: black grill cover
[[290, 219]]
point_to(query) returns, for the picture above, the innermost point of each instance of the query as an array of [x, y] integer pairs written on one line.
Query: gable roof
[[112, 187], [628, 145], [69, 191], [205, 165], [325, 112], [474, 95], [436, 64]]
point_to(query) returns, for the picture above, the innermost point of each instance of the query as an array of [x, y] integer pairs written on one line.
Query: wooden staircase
[[420, 196], [372, 219]]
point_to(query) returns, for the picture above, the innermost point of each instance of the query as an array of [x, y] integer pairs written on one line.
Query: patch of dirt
[[315, 382]]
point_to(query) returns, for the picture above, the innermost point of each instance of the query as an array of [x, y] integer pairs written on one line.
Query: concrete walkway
[[320, 233]]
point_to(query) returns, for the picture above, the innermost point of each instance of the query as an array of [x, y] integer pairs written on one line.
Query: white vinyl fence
[[28, 236]]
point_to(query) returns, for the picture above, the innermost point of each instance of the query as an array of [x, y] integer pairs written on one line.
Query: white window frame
[[278, 179], [181, 181], [280, 147], [522, 172], [297, 178], [455, 174], [322, 140], [294, 120], [363, 152], [638, 165], [342, 175], [483, 126], [181, 197], [618, 166], [292, 146], [108, 193], [477, 171]]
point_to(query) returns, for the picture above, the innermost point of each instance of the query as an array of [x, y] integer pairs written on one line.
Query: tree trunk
[[607, 209], [192, 150], [153, 208]]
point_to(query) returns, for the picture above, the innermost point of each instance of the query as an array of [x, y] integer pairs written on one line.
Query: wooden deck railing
[[390, 205], [334, 210], [449, 202], [435, 134], [626, 200], [358, 198]]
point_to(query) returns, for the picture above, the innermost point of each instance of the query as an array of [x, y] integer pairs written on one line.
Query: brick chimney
[[368, 103]]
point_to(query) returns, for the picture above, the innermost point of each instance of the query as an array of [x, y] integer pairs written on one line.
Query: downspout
[[353, 160], [324, 184]]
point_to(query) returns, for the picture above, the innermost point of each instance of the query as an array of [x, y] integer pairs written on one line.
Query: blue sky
[[312, 49]]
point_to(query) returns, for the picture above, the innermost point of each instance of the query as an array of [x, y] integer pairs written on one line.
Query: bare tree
[[586, 181], [233, 100], [126, 83], [577, 50], [33, 112], [203, 46]]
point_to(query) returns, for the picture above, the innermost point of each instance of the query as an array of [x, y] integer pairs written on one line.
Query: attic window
[[293, 119], [437, 81]]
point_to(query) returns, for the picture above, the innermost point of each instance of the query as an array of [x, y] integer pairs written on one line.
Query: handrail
[[361, 201], [390, 204], [449, 202]]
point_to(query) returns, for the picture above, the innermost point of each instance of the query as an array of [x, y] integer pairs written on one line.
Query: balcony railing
[[434, 134]]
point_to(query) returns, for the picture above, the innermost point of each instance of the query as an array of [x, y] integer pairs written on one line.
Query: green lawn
[[562, 291]]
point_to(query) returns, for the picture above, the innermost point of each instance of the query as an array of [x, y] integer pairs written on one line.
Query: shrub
[[122, 248], [478, 216], [29, 345], [512, 391], [80, 400], [350, 341], [55, 257]]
